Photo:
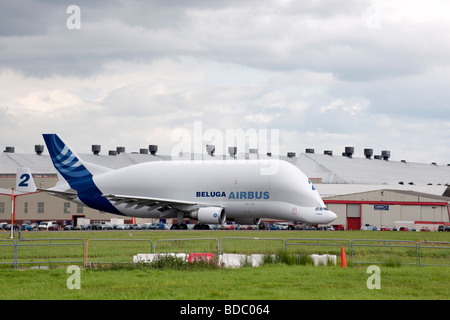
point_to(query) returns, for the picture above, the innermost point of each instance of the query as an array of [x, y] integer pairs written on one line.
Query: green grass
[[268, 282], [278, 234], [285, 280]]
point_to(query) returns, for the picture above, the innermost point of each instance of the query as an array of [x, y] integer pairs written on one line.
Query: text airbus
[[240, 195]]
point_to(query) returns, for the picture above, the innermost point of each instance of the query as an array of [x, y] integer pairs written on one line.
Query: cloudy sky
[[321, 74]]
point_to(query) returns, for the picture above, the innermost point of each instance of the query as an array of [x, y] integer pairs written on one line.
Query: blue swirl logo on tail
[[64, 160], [75, 173]]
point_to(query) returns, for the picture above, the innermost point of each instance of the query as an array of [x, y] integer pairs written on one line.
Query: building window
[[80, 208], [2, 207], [25, 207], [40, 207], [66, 207]]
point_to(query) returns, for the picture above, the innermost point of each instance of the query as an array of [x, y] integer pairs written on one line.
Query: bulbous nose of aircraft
[[331, 216]]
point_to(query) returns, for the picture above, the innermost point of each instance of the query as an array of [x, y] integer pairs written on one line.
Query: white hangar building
[[360, 190]]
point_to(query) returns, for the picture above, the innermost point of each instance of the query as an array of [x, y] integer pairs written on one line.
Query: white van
[[44, 225]]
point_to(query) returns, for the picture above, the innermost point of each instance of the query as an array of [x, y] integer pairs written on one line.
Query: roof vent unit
[[403, 161], [434, 163], [9, 149], [291, 154], [328, 152], [309, 151], [112, 152], [232, 151], [210, 149], [368, 153], [269, 154], [349, 151], [143, 151], [377, 157], [386, 155], [120, 150], [153, 149], [38, 148], [96, 149]]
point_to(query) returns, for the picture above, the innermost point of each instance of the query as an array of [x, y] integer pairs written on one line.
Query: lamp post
[[13, 209]]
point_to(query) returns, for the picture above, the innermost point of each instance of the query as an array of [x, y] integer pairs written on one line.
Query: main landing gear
[[178, 226]]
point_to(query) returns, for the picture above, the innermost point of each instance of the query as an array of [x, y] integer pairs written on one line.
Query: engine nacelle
[[209, 215], [247, 221]]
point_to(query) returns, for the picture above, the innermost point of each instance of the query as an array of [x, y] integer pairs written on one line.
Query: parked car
[[369, 227], [338, 227], [273, 227], [285, 225], [308, 228], [282, 225], [29, 227], [403, 229], [46, 224], [8, 227], [97, 226], [424, 229], [230, 227], [326, 228], [54, 227], [138, 227]]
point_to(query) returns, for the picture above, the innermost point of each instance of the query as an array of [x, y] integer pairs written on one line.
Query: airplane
[[24, 184], [207, 191]]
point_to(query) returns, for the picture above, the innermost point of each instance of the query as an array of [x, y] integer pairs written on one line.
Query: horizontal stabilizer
[[68, 195]]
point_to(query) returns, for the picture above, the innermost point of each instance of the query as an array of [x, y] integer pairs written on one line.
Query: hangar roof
[[345, 170], [325, 168], [384, 195]]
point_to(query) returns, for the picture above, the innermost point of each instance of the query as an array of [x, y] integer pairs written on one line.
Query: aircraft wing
[[163, 205]]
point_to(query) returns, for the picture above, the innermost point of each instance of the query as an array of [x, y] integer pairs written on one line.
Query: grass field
[[278, 281]]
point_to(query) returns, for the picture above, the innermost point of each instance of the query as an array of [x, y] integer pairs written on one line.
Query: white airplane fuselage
[[236, 185]]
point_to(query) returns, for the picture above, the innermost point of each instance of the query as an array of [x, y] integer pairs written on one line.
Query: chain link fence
[[39, 252]]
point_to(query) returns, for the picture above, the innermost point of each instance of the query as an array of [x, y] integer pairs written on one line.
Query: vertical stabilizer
[[68, 163], [78, 174], [24, 180]]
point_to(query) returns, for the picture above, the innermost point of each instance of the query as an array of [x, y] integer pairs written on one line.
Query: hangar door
[[353, 216]]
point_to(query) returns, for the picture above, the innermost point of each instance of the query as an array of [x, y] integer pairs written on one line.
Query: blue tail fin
[[68, 164], [65, 161], [78, 174]]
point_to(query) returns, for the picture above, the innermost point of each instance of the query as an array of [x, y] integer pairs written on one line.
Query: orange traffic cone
[[343, 258]]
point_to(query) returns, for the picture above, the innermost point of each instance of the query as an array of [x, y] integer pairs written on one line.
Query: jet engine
[[247, 221], [209, 215]]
